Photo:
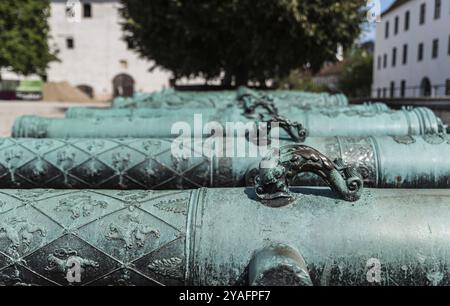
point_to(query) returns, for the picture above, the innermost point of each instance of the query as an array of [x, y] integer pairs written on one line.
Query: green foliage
[[247, 39], [356, 77], [299, 80], [24, 33]]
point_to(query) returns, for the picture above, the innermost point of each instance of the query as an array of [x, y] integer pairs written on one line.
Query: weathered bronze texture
[[397, 162], [416, 121], [248, 110], [171, 99], [298, 99], [223, 237], [282, 165]]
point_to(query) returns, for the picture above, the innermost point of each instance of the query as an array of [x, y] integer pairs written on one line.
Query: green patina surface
[[387, 237]]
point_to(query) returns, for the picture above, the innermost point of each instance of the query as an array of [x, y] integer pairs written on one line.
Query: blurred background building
[[412, 50], [93, 56]]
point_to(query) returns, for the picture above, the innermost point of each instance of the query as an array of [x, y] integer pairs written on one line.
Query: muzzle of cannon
[[417, 121], [267, 235], [398, 162]]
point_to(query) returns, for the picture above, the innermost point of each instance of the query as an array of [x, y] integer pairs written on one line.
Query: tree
[[301, 80], [356, 77], [24, 34], [245, 39]]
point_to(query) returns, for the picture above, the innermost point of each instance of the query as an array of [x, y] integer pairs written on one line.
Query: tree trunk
[[242, 76], [227, 80]]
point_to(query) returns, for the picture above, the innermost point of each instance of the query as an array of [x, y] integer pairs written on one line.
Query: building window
[[392, 90], [437, 9], [420, 53], [386, 30], [423, 11], [379, 62], [449, 45], [87, 10], [396, 25], [407, 14], [435, 48], [70, 43], [405, 54], [425, 88], [447, 88], [403, 89], [394, 57], [385, 58]]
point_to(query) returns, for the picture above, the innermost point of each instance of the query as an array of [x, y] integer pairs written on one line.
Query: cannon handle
[[283, 164]]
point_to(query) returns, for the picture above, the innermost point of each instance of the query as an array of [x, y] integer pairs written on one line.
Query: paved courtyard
[[10, 110]]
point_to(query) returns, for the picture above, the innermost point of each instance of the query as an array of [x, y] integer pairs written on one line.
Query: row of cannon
[[349, 195]]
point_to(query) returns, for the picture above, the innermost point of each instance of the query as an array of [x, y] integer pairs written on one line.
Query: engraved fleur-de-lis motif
[[149, 169], [120, 162], [62, 259], [65, 160], [39, 167], [42, 143], [151, 145], [20, 233], [95, 145], [80, 205], [92, 168], [134, 233], [12, 159]]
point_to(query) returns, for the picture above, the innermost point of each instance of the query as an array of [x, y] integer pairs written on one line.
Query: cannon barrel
[[89, 112], [298, 99], [417, 121], [171, 99], [399, 162], [223, 237], [177, 99]]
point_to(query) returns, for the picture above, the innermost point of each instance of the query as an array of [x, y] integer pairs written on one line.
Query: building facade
[[412, 50], [93, 56]]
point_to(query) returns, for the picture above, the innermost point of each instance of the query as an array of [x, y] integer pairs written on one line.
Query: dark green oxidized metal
[[298, 99], [171, 99], [223, 237], [220, 99], [417, 121], [86, 112], [399, 162]]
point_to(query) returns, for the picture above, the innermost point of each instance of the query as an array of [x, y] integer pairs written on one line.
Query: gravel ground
[[9, 110]]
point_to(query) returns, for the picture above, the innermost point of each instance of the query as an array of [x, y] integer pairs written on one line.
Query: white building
[[93, 55], [412, 50]]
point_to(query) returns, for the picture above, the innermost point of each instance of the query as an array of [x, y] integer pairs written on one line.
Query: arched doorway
[[123, 85], [88, 90], [425, 87]]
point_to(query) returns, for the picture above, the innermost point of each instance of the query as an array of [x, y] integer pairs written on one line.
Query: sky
[[370, 34]]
